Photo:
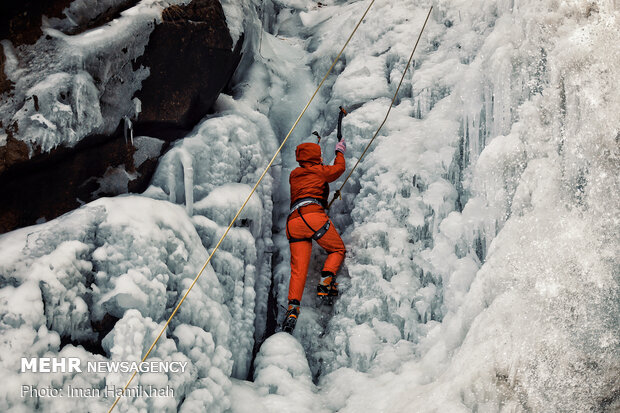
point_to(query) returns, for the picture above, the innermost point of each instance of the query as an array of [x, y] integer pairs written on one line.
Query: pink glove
[[341, 146]]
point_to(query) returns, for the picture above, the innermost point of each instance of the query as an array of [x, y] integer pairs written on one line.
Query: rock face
[[190, 59], [49, 185], [20, 20], [66, 98]]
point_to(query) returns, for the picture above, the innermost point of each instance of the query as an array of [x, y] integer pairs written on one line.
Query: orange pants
[[301, 250]]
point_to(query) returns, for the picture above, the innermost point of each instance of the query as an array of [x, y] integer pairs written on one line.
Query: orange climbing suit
[[309, 184]]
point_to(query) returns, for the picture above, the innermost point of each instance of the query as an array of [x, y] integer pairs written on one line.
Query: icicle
[[128, 128], [172, 185], [185, 161], [137, 104], [188, 179], [488, 105]]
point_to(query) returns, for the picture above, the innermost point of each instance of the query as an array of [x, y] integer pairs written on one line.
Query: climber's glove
[[341, 146]]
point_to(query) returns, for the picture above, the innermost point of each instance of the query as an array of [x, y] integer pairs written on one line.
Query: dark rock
[[54, 183], [14, 152], [20, 20], [190, 58]]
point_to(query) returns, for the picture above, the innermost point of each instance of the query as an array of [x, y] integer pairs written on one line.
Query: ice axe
[[318, 137], [341, 115]]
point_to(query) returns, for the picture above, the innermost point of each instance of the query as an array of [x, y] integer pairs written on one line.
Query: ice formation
[[78, 88], [482, 266]]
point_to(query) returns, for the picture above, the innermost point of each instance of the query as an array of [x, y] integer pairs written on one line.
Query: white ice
[[481, 228]]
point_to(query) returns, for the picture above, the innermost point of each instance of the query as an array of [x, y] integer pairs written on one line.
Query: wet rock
[[190, 59], [20, 20]]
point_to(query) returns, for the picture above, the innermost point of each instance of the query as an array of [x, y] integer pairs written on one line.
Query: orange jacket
[[310, 179]]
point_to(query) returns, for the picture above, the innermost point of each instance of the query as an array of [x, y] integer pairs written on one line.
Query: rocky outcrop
[[61, 149], [49, 185], [5, 84], [20, 20], [190, 59]]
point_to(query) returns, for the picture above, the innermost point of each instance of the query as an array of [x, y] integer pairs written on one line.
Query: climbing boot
[[291, 316], [327, 288]]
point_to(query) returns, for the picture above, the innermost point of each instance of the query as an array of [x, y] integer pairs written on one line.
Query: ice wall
[[478, 245], [212, 171], [482, 266], [129, 259]]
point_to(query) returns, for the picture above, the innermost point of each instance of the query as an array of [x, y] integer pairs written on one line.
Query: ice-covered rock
[[85, 69], [126, 259], [283, 377], [217, 166]]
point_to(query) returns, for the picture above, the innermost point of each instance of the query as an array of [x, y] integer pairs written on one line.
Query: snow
[[481, 228], [283, 377], [223, 202], [152, 249], [362, 80], [236, 12]]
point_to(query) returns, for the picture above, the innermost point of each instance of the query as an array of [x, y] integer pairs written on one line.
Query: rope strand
[[244, 204], [337, 193]]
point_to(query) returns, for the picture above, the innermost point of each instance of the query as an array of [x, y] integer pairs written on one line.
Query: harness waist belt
[[318, 233], [303, 202]]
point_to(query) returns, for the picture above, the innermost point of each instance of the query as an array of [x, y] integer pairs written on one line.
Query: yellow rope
[[244, 204], [337, 193]]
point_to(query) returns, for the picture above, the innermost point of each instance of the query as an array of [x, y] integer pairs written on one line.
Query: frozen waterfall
[[483, 251]]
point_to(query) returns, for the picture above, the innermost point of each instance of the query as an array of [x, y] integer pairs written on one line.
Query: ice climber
[[308, 221]]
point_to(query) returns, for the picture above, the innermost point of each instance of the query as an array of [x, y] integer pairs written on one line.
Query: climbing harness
[[303, 202], [337, 193], [217, 246], [317, 233]]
